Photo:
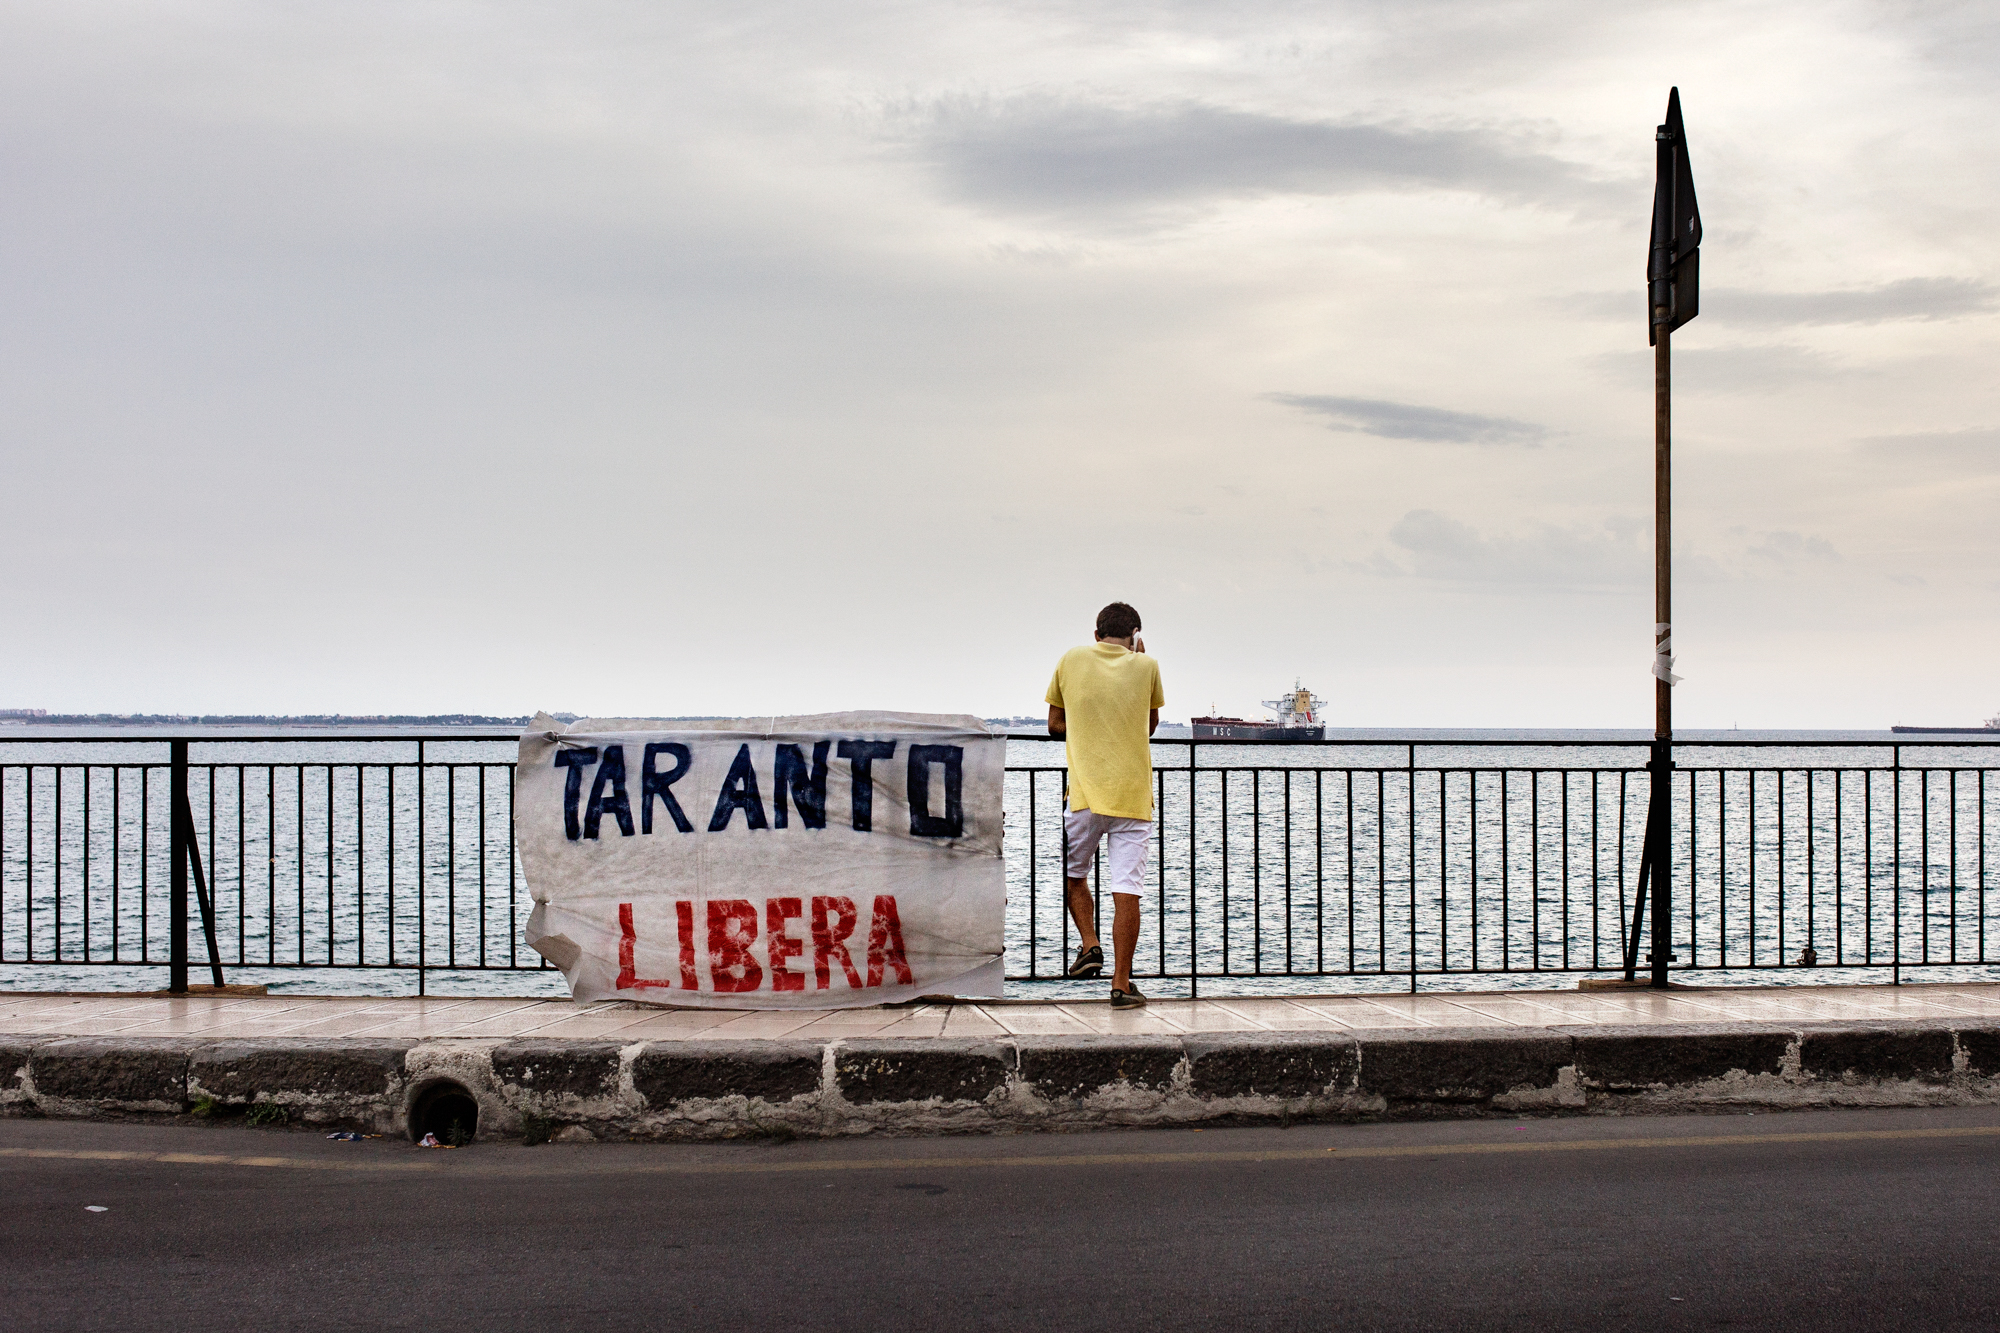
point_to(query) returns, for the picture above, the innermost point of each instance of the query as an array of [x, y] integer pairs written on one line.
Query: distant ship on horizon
[[1298, 720], [1992, 726]]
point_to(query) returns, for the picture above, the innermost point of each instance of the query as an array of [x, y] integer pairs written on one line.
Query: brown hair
[[1117, 621]]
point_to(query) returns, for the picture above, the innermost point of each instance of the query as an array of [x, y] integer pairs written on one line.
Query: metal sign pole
[[1673, 276], [1659, 819]]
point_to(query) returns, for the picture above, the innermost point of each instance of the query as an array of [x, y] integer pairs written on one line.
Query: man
[[1104, 703]]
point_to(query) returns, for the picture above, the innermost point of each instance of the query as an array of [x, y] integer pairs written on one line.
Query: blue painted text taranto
[[797, 786]]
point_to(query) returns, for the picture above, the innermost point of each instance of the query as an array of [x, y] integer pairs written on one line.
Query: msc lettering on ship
[[797, 785]]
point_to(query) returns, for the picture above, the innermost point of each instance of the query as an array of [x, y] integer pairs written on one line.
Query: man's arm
[[1059, 722], [1153, 722]]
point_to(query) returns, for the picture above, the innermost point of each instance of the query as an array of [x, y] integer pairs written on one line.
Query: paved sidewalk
[[435, 1017]]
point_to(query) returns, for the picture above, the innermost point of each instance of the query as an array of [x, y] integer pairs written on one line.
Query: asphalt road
[[1824, 1220]]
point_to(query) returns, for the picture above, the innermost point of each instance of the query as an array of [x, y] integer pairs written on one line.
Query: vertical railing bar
[[117, 854], [423, 877], [1257, 871], [1062, 917], [329, 865], [1868, 866], [1782, 859], [389, 851], [513, 891], [57, 858], [1534, 870], [214, 898], [451, 863], [1951, 797], [242, 889], [86, 861], [1348, 822], [1444, 871], [1319, 868], [1097, 860], [1381, 871], [1839, 867], [1034, 930], [1195, 935], [271, 863], [1896, 880], [1506, 876], [482, 865], [5, 769], [1160, 870], [299, 867], [1694, 863], [1288, 872], [28, 851], [1223, 775], [1410, 820], [1722, 867], [1813, 871], [1472, 822], [145, 863], [1565, 869], [1623, 800], [360, 864], [1596, 877], [1753, 865], [1924, 862]]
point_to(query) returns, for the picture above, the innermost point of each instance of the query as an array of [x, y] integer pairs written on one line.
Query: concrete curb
[[726, 1089]]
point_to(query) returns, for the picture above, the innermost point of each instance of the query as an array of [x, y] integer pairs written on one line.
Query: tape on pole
[[1663, 657]]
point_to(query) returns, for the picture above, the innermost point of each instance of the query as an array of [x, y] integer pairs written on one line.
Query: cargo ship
[[1298, 720], [1992, 728]]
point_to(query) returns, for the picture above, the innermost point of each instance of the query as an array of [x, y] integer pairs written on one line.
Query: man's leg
[[1081, 910], [1082, 831], [1126, 846], [1124, 937]]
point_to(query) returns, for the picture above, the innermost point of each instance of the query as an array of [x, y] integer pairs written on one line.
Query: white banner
[[766, 863]]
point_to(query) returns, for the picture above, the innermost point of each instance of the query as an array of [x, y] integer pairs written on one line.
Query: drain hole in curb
[[448, 1111]]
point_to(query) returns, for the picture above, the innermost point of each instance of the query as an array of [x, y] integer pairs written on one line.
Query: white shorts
[[1129, 840]]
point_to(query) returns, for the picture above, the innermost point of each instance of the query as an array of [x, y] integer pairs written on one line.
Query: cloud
[[1906, 298], [1441, 547], [1042, 154], [1410, 421], [1974, 452], [1789, 548], [1616, 554], [1743, 367]]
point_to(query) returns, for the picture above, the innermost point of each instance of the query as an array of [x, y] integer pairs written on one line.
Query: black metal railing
[[382, 855], [1273, 867], [1513, 857]]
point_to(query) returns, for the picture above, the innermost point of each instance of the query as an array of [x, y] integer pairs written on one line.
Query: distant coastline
[[24, 724], [20, 717]]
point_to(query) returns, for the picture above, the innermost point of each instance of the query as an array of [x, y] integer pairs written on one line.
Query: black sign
[[1673, 263]]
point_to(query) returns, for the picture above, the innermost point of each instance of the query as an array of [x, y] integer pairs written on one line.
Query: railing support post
[[177, 890], [1659, 839]]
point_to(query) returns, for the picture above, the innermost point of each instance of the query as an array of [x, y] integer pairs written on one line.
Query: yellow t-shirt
[[1106, 692]]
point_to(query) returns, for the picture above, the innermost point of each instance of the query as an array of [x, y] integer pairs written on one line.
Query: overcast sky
[[751, 358]]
